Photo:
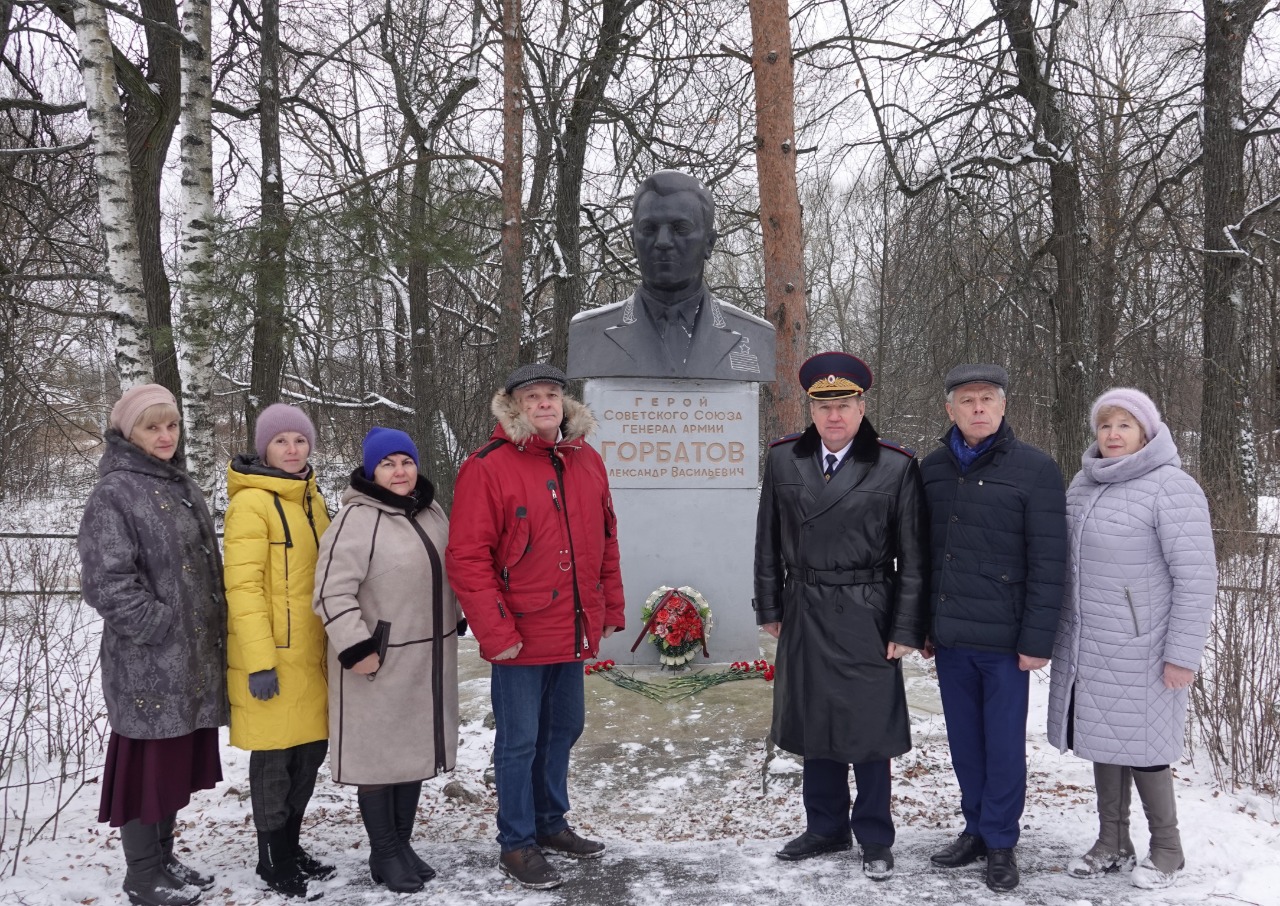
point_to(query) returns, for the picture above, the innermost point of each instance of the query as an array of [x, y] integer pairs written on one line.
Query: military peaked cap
[[834, 376]]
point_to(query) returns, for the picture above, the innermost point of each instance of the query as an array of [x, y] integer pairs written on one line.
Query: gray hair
[[951, 394]]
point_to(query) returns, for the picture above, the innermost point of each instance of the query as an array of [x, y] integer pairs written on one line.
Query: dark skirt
[[151, 779]]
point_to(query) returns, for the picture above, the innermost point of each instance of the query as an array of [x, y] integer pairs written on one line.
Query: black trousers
[[281, 782], [826, 800]]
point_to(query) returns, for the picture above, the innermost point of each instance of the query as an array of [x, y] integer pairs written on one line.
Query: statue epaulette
[[897, 448], [787, 439]]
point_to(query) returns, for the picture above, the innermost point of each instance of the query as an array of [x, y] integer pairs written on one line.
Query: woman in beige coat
[[393, 626]]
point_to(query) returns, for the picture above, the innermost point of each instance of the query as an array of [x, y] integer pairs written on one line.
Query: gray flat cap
[[535, 374], [976, 374]]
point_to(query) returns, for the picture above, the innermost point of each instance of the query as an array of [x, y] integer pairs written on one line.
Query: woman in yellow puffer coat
[[275, 643]]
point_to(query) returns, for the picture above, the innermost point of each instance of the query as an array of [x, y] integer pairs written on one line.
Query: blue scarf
[[964, 454]]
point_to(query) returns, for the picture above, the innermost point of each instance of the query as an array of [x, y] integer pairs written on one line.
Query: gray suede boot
[[1113, 850], [1165, 860]]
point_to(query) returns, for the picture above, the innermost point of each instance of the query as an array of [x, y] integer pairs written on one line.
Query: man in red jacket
[[533, 558]]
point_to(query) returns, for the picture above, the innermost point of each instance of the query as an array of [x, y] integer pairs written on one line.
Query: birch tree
[[195, 260], [126, 295]]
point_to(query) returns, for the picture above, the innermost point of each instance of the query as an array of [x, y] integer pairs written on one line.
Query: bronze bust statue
[[672, 327]]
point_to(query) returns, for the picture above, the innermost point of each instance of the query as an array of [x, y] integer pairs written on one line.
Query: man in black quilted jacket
[[998, 540]]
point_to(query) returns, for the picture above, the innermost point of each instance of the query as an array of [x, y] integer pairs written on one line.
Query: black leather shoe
[[808, 845], [964, 850], [877, 861], [1002, 870]]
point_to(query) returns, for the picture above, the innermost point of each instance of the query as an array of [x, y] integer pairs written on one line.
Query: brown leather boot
[[529, 868]]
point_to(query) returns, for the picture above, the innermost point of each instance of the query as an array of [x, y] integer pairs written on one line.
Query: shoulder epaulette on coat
[[787, 439], [897, 448]]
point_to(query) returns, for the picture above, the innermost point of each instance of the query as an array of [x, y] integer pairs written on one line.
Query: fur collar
[[578, 422]]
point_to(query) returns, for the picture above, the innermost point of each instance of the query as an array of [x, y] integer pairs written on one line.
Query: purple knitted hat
[[1133, 401], [278, 418]]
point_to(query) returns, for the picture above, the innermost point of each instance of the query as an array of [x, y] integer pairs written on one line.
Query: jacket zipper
[[288, 546], [311, 521], [580, 643], [437, 643], [1132, 611]]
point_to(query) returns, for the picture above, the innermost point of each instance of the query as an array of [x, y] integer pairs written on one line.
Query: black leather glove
[[264, 685], [462, 627]]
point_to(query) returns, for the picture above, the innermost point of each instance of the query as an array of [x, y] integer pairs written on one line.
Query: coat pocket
[[1133, 611], [518, 544], [1005, 575], [524, 603], [382, 633]]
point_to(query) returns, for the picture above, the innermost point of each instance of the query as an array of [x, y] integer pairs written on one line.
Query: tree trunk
[[427, 430], [270, 327], [511, 285], [1224, 434], [195, 323], [587, 101], [150, 120], [126, 297], [780, 223], [1073, 380]]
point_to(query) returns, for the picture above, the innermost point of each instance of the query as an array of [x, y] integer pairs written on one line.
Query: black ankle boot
[[406, 797], [277, 864], [388, 863], [307, 864], [146, 883]]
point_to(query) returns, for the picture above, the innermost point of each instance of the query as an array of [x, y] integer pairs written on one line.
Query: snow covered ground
[[692, 805], [679, 792]]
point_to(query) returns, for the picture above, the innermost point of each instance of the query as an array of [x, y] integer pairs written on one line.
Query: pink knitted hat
[[137, 400], [276, 419], [1133, 401]]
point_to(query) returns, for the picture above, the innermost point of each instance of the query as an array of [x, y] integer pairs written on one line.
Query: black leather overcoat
[[843, 565]]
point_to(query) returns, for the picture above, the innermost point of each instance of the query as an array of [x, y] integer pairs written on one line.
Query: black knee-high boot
[[406, 804], [388, 863]]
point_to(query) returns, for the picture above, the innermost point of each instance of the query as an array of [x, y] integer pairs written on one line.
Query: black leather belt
[[839, 576]]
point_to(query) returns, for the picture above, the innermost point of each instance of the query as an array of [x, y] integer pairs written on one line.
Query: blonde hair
[[154, 415], [1109, 412]]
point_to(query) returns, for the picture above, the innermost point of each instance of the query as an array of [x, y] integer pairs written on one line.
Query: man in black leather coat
[[841, 572]]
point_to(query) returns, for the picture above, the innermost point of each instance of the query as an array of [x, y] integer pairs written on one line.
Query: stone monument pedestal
[[683, 464]]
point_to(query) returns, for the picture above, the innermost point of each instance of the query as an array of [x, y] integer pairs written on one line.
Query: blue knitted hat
[[380, 443]]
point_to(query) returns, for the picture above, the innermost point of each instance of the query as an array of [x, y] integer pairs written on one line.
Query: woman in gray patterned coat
[[1132, 630], [150, 568]]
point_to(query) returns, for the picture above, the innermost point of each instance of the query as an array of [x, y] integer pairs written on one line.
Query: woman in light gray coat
[[393, 626], [150, 568], [1132, 630]]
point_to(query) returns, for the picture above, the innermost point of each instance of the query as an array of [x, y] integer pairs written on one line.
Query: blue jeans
[[539, 713], [984, 700]]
